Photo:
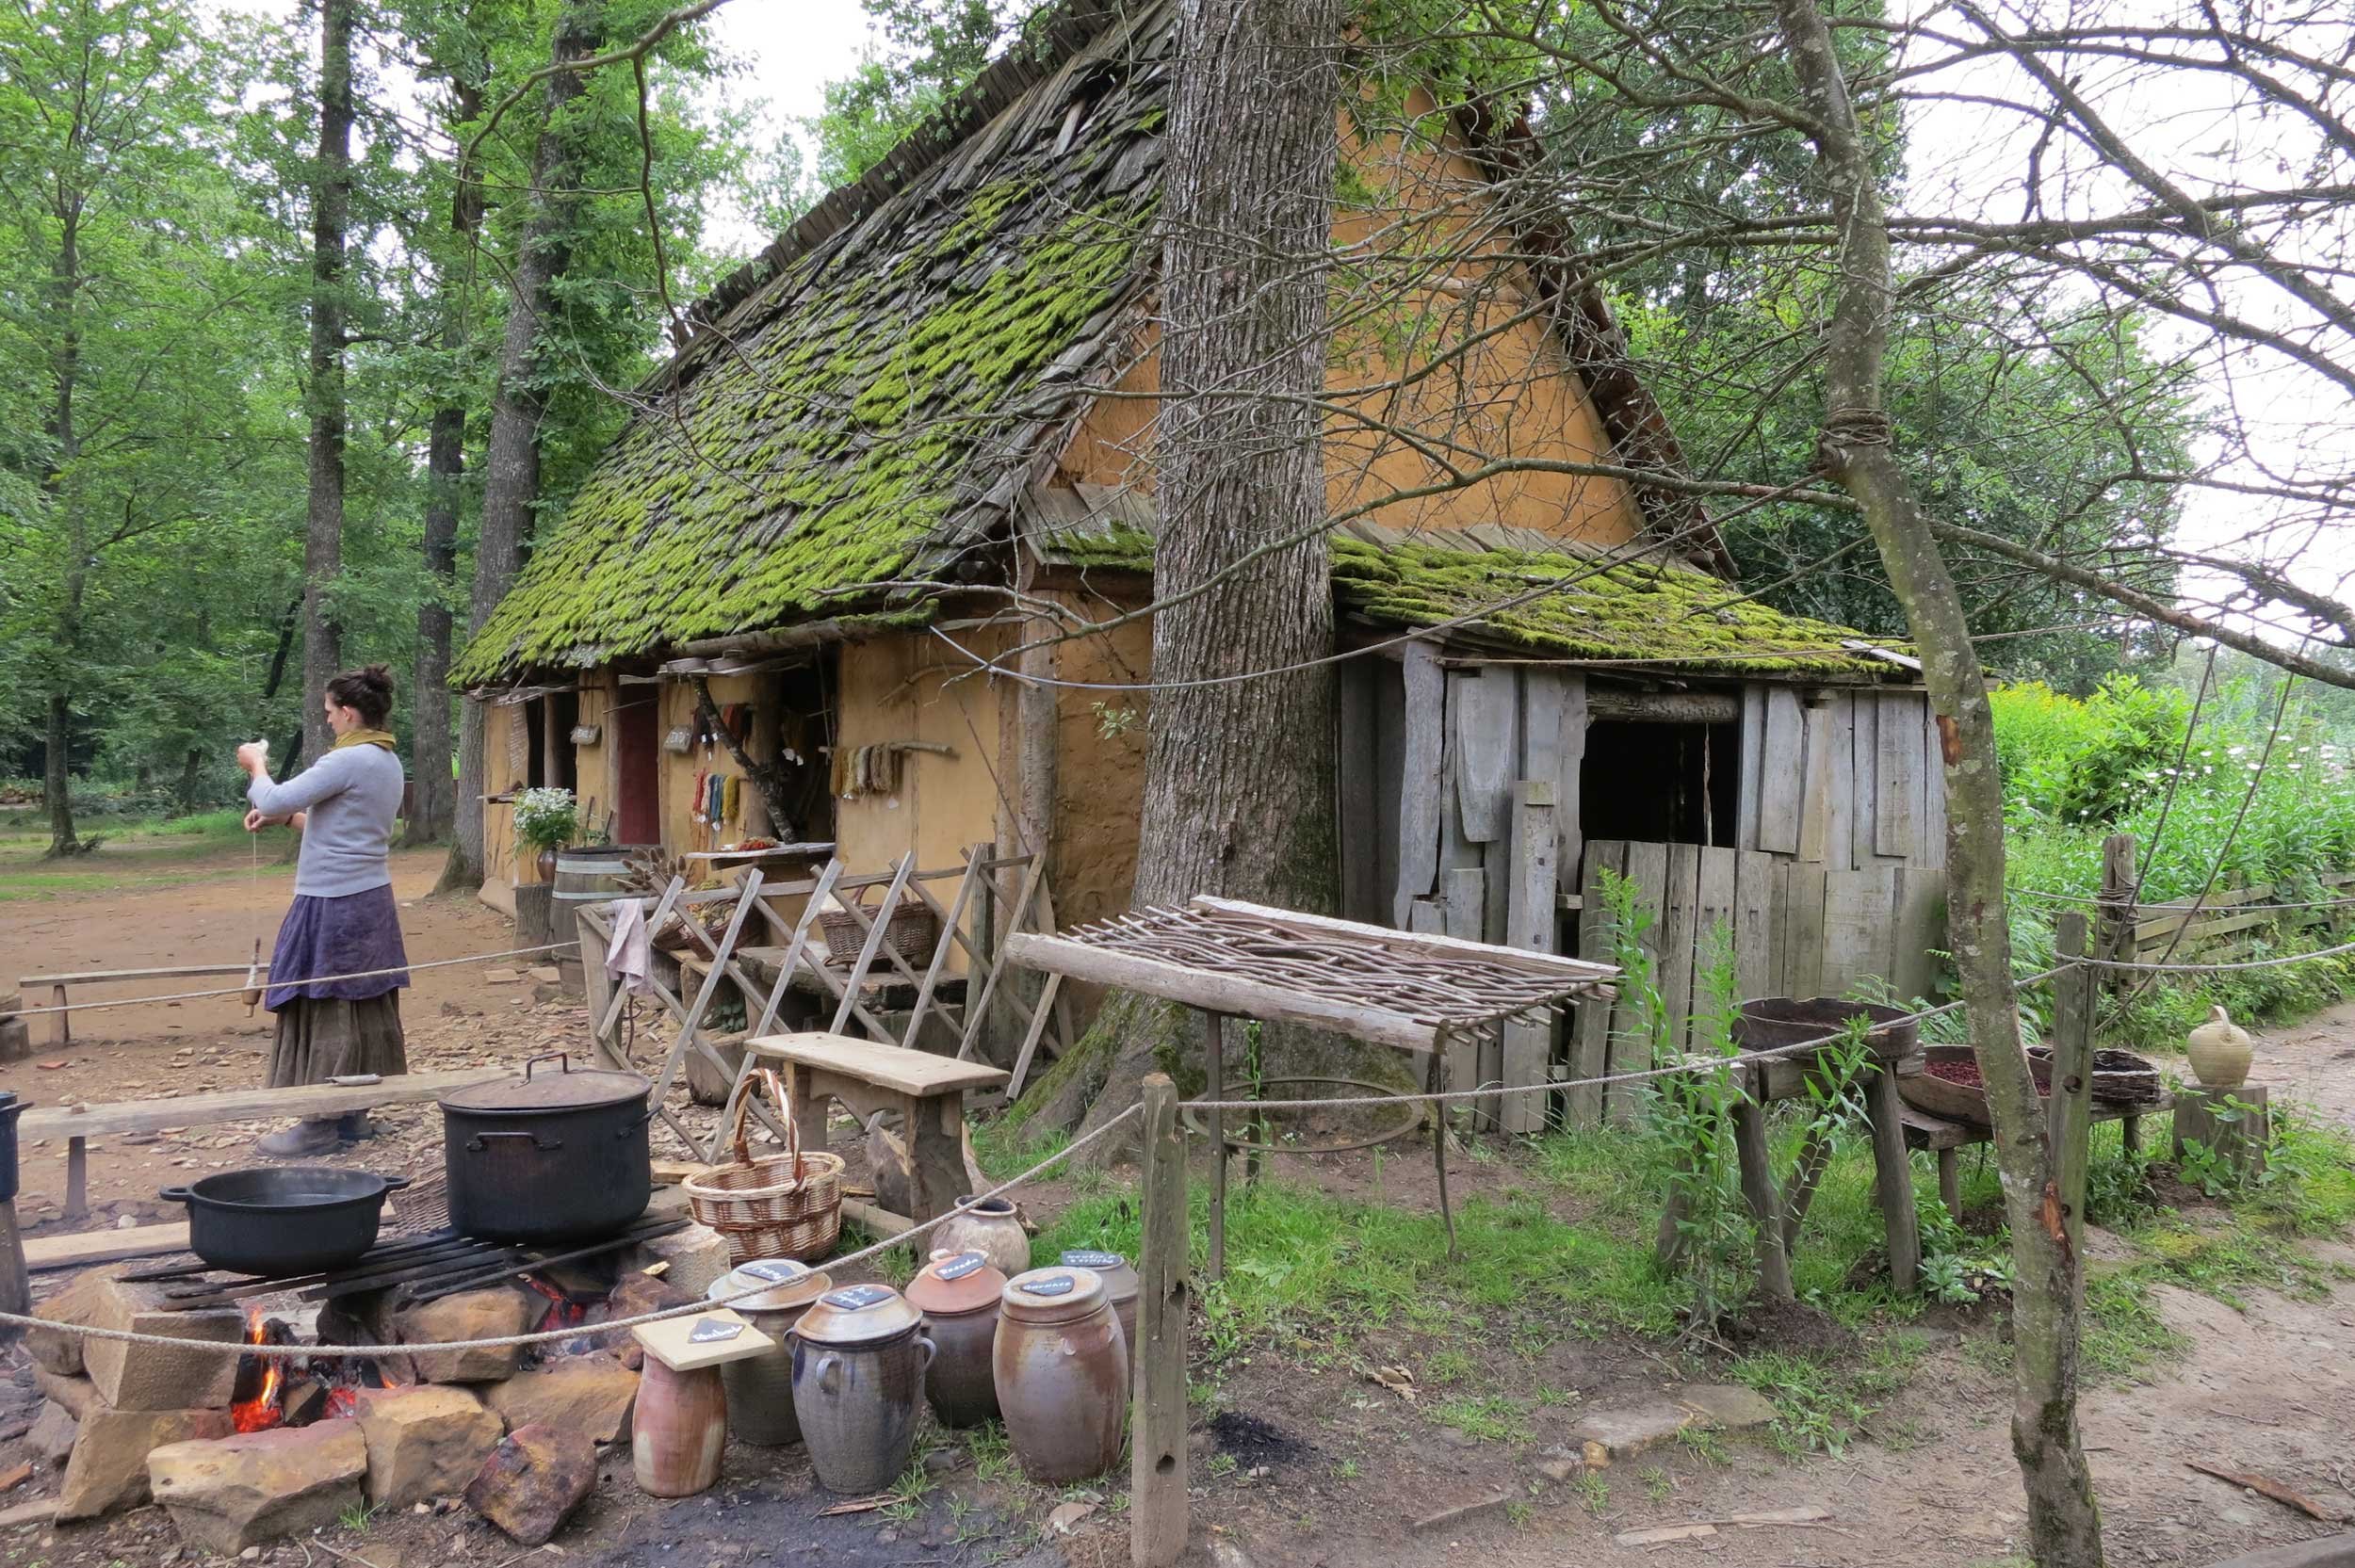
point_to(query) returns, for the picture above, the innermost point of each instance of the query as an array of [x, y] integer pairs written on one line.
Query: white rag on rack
[[630, 955]]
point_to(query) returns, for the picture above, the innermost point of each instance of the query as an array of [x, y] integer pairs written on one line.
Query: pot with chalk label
[[1062, 1372], [760, 1388], [958, 1293], [1120, 1288], [859, 1356]]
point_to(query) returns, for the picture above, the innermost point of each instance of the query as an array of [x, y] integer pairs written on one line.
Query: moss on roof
[[1623, 610], [865, 414]]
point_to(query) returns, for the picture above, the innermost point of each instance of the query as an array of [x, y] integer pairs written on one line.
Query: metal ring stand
[[1413, 1123]]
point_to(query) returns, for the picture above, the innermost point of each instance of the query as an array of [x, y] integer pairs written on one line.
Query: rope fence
[[273, 983]]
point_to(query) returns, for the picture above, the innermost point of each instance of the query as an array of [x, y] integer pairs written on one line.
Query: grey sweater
[[352, 797]]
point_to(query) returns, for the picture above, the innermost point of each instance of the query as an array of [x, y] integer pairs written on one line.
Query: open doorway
[[1661, 782]]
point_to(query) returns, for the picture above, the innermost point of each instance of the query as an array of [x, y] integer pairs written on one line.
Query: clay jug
[[858, 1378], [678, 1429], [958, 1293], [2220, 1052], [991, 1228], [760, 1388], [1062, 1374], [1120, 1286]]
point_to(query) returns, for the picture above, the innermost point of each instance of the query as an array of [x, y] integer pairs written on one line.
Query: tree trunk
[[432, 807], [1239, 784], [511, 472], [1854, 449], [65, 368], [324, 528]]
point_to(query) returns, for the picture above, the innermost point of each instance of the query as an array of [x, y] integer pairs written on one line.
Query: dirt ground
[[1324, 1469]]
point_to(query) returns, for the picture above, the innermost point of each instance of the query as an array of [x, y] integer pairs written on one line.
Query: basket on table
[[910, 931], [786, 1206]]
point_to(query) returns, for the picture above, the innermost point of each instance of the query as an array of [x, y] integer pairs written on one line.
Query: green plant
[[546, 818], [1488, 1419], [1656, 1480], [1594, 1492]]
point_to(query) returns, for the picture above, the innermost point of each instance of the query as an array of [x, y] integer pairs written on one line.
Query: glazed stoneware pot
[[1062, 1374], [859, 1356], [2220, 1052], [760, 1389], [1120, 1286], [958, 1293], [991, 1228]]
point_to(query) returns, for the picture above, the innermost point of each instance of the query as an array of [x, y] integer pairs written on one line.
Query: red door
[[638, 741]]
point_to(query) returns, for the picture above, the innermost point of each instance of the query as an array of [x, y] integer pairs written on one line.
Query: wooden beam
[[84, 1248], [243, 1105], [1429, 946], [1663, 707], [1223, 994], [1424, 745]]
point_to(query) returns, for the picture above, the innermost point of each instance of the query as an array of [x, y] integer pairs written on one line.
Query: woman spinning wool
[[344, 920]]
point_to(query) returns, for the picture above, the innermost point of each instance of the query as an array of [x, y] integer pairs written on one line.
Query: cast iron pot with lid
[[548, 1157], [283, 1219]]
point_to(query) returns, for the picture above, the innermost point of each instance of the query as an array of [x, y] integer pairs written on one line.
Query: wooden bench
[[60, 1034], [927, 1090], [77, 1127], [1946, 1138]]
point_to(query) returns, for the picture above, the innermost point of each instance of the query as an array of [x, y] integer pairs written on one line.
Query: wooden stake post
[[2072, 1113], [1157, 1476]]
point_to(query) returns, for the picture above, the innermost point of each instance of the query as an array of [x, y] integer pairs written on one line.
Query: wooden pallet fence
[[2236, 923]]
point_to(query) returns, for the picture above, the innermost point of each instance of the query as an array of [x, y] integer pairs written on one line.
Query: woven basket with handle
[[910, 931], [786, 1206]]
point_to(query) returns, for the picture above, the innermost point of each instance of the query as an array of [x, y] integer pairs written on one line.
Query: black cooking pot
[[11, 1109], [556, 1156], [284, 1219]]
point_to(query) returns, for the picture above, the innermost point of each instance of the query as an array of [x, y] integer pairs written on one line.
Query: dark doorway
[[637, 723], [1660, 783]]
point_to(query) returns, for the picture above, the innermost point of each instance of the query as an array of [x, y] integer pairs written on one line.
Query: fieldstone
[[589, 1394], [640, 1293], [16, 1040], [151, 1377], [469, 1315], [1728, 1407], [232, 1493], [423, 1441], [533, 1480], [51, 1437], [107, 1466], [1622, 1433], [75, 1394], [59, 1352], [697, 1255]]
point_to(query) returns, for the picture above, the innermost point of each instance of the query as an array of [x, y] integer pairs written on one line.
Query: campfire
[[277, 1391]]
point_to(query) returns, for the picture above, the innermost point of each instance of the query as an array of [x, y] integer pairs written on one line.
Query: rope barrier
[[547, 1336], [274, 983], [2343, 949]]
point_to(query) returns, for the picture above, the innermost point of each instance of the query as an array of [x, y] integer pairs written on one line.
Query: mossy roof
[[865, 402]]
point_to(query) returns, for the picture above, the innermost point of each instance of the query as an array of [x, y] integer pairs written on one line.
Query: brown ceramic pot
[[991, 1228], [760, 1388], [678, 1429], [859, 1377], [958, 1293], [1120, 1286], [1062, 1374]]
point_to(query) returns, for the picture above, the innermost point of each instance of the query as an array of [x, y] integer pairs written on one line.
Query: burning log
[[255, 1402]]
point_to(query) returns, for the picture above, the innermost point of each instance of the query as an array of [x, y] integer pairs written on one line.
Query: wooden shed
[[917, 431]]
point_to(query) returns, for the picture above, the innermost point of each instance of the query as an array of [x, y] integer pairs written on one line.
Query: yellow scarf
[[364, 737]]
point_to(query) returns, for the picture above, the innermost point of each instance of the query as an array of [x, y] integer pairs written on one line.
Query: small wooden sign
[[707, 1339]]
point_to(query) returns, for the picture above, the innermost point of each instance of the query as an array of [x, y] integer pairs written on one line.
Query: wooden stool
[[679, 1430], [927, 1090]]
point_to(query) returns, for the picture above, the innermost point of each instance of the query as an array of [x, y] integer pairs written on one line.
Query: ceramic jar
[[1062, 1374], [760, 1389], [991, 1228], [958, 1293], [2220, 1052], [1120, 1286], [678, 1429], [859, 1357]]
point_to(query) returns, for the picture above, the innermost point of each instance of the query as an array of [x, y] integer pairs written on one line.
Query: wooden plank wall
[[1799, 929], [1868, 794]]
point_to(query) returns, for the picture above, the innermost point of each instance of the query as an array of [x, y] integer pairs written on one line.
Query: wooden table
[[1926, 1131], [927, 1090]]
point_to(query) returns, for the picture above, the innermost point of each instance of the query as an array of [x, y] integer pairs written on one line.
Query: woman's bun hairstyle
[[369, 691]]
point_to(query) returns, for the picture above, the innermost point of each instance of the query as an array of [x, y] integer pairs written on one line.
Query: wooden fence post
[[1157, 1476], [2115, 935], [2073, 1083]]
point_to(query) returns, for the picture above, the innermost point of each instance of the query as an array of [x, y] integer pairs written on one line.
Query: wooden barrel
[[588, 875]]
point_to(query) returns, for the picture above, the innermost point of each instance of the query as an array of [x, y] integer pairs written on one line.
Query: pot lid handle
[[563, 1059]]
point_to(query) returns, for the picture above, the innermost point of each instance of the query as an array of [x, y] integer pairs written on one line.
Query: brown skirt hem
[[323, 1038]]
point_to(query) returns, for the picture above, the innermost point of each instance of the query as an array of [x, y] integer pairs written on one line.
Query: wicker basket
[[911, 931], [786, 1206]]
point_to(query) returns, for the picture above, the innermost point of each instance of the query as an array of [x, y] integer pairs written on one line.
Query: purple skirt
[[358, 932]]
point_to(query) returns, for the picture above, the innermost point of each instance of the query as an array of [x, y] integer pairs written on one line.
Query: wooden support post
[[16, 1286], [2235, 1125], [1214, 1066], [2071, 1112], [1893, 1178], [60, 1033], [2116, 933], [77, 1178], [1758, 1188], [1530, 921], [1950, 1181], [1157, 1475]]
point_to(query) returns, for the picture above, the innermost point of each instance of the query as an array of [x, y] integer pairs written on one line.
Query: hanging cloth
[[627, 958]]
